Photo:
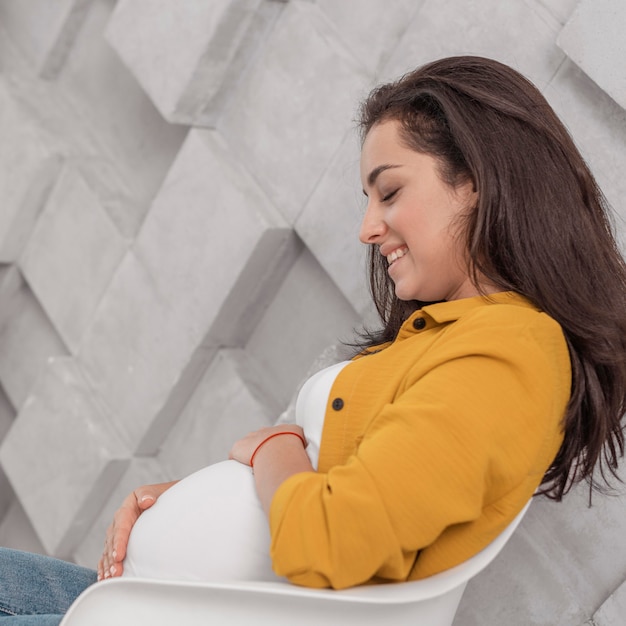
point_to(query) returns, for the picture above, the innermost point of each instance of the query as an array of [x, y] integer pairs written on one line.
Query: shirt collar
[[451, 311]]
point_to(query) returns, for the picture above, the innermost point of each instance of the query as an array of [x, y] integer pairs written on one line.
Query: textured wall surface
[[179, 205]]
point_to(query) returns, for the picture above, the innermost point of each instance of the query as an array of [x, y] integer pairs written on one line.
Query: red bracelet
[[283, 432]]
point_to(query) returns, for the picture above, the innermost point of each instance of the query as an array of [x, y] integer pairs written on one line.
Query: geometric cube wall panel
[[7, 413], [200, 45], [28, 168], [7, 495], [612, 612], [378, 24], [44, 29], [512, 32], [280, 123], [226, 398], [600, 133], [16, 530], [27, 337], [62, 454], [209, 225], [594, 39], [338, 200], [209, 229], [119, 141], [308, 314], [71, 256]]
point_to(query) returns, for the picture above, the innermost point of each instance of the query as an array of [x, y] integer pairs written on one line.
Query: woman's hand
[[275, 458], [244, 448], [118, 533]]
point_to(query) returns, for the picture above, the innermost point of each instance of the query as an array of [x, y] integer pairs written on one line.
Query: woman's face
[[412, 216]]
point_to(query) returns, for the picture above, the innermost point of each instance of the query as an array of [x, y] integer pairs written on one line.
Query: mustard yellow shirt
[[430, 446]]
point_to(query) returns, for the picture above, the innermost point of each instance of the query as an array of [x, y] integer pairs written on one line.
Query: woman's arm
[[278, 454], [118, 533]]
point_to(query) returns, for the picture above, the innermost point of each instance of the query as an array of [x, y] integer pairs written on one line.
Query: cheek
[[427, 239], [411, 226]]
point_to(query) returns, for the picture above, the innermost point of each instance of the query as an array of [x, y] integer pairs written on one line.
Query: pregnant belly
[[209, 526]]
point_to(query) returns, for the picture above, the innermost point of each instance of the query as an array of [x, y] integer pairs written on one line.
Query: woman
[[500, 365]]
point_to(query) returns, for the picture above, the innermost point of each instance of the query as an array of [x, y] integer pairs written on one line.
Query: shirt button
[[337, 404], [419, 323]]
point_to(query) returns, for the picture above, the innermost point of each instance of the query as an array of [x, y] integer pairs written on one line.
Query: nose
[[373, 226]]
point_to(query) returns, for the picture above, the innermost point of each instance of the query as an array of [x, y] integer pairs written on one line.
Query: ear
[[469, 193]]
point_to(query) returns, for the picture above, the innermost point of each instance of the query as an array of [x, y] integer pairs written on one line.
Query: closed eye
[[389, 196]]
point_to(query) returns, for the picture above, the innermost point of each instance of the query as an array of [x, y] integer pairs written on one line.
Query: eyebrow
[[375, 173]]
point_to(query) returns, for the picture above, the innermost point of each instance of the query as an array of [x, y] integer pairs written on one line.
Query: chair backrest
[[429, 602]]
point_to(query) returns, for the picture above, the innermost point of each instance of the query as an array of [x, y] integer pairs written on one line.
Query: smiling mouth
[[396, 254]]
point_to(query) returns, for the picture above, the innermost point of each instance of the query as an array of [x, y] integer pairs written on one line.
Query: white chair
[[133, 601]]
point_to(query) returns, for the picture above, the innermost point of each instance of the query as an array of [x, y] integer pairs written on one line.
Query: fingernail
[[106, 574], [146, 498], [113, 570], [114, 554]]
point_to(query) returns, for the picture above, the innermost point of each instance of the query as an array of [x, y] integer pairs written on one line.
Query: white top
[[311, 407], [211, 526]]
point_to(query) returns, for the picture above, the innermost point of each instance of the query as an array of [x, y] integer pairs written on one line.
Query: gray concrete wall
[[179, 200]]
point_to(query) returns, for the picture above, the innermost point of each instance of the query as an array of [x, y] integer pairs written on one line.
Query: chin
[[417, 296], [408, 297], [407, 292]]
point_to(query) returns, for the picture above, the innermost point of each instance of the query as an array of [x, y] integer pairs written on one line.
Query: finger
[[105, 567], [111, 566], [109, 548], [103, 563], [145, 500], [123, 522], [119, 543]]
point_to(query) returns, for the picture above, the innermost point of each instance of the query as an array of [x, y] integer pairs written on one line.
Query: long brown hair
[[541, 228]]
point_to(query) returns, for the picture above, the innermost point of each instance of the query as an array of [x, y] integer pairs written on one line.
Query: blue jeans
[[37, 590]]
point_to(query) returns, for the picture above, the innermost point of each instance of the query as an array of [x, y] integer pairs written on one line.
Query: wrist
[[273, 436]]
